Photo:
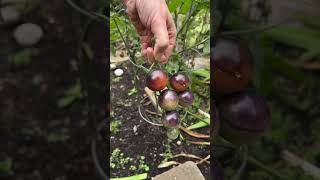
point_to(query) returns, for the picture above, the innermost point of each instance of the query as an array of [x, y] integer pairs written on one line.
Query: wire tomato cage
[[154, 112]]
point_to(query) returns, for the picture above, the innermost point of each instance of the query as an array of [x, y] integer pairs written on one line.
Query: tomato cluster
[[243, 113], [170, 98]]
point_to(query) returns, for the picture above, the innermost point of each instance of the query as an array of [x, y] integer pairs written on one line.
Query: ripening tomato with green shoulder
[[168, 100]]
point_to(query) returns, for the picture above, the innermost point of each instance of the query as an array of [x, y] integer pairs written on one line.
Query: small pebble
[[135, 128], [9, 14], [179, 143], [118, 72], [112, 66], [28, 34]]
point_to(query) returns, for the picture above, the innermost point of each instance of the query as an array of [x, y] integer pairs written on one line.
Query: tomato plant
[[175, 95]]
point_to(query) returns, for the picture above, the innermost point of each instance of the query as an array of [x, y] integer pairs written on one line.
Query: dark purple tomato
[[245, 116], [168, 100], [179, 82], [170, 119], [186, 98], [232, 66], [157, 80]]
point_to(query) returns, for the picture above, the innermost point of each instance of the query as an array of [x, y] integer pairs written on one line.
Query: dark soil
[[42, 140], [150, 141]]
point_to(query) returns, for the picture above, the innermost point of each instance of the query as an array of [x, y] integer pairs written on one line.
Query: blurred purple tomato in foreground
[[245, 116], [232, 66]]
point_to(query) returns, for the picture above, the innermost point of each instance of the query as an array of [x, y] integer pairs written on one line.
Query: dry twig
[[307, 167]]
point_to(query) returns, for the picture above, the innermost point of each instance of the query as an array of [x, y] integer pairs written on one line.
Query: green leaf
[[201, 72], [205, 122], [74, 90], [5, 166], [185, 7], [173, 64], [206, 48], [299, 37], [66, 101], [279, 64], [174, 4], [132, 91], [70, 95], [308, 20], [23, 57], [26, 6], [135, 177], [87, 50]]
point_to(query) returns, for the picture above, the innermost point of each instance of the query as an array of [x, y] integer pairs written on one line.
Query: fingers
[[150, 56], [153, 20], [146, 49], [165, 33], [147, 52], [159, 29], [172, 33]]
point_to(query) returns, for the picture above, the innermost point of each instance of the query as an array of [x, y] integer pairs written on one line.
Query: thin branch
[[259, 164], [200, 143], [258, 29], [96, 161], [243, 165], [205, 40], [204, 160], [307, 167], [185, 22], [124, 41], [195, 134], [131, 56], [225, 11], [80, 10], [189, 22], [146, 119]]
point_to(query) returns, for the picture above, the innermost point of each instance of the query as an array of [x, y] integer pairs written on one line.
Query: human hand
[[152, 19]]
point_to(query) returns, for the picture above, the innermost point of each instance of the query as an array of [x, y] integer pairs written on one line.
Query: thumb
[[159, 29]]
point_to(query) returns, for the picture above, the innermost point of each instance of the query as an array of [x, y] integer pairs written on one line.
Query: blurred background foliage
[[285, 46]]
